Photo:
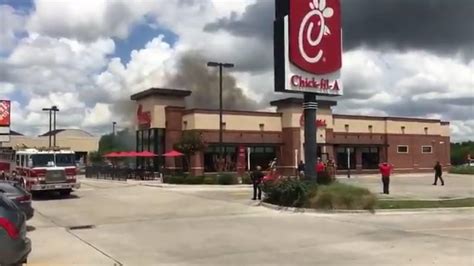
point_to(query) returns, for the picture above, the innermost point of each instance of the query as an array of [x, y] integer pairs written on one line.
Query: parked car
[[14, 245], [19, 196]]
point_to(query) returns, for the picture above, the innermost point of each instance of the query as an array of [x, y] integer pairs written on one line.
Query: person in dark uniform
[[301, 169], [257, 177], [3, 176], [438, 174]]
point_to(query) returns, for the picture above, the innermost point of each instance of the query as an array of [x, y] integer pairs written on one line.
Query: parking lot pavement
[[418, 186], [139, 225]]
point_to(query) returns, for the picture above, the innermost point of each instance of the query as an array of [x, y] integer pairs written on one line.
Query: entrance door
[[342, 160]]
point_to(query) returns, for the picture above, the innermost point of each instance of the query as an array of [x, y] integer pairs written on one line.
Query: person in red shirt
[[320, 166], [385, 170]]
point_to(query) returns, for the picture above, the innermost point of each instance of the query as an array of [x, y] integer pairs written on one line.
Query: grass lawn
[[411, 204]]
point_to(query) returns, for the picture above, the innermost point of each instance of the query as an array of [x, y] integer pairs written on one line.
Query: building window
[[426, 149], [426, 131], [262, 127], [402, 148], [403, 129], [346, 126]]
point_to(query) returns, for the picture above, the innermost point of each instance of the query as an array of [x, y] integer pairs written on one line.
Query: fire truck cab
[[46, 170]]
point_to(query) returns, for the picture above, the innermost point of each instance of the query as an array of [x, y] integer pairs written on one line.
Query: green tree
[[459, 152], [190, 143], [95, 157]]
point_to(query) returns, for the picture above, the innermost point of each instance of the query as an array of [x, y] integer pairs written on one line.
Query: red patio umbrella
[[145, 154], [173, 153], [119, 154]]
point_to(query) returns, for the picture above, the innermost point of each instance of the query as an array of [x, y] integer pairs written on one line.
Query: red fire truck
[[41, 169]]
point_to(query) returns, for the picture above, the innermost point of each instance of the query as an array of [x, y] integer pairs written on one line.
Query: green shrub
[[287, 192], [464, 169], [342, 196], [194, 180], [226, 179], [324, 178], [175, 179], [210, 180], [246, 179]]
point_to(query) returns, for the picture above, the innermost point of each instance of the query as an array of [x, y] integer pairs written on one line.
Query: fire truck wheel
[[65, 193]]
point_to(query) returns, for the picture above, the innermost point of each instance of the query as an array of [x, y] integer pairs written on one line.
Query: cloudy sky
[[401, 58]]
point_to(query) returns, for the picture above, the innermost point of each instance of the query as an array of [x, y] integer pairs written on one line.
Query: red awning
[[173, 153]]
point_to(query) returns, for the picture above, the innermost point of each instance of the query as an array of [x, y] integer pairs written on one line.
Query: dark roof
[[160, 92], [294, 100], [52, 132], [14, 133]]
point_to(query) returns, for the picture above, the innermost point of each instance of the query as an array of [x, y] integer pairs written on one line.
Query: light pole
[[113, 127], [54, 109], [52, 123], [49, 133], [220, 65]]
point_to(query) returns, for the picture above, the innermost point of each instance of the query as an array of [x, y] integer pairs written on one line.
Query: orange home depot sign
[[319, 122], [4, 113]]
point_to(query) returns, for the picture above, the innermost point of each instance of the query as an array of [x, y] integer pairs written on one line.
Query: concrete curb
[[376, 211]]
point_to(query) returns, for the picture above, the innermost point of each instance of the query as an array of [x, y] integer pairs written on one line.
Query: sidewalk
[[417, 186]]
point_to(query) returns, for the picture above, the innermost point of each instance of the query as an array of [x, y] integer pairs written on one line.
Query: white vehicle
[[45, 170]]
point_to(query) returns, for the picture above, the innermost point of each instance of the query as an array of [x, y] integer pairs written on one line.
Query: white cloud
[[12, 22], [67, 60], [88, 20], [100, 115]]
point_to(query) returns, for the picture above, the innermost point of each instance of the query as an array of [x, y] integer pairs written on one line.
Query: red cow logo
[[315, 35], [144, 118]]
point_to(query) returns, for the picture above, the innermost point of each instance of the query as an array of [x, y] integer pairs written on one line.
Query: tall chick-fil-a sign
[[308, 46]]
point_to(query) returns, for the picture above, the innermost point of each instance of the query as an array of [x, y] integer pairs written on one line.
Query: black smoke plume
[[194, 75]]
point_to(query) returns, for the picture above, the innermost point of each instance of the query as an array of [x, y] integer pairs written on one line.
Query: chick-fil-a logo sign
[[4, 113], [315, 35]]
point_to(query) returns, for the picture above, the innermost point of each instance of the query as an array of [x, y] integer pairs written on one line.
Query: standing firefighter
[[438, 174], [257, 177], [385, 170]]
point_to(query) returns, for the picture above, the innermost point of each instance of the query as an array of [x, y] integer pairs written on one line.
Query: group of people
[[386, 170], [329, 167], [5, 176]]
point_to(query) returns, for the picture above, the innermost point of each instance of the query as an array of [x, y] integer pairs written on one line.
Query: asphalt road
[[117, 223]]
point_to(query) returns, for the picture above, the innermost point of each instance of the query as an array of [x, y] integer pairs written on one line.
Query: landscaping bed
[[463, 169], [339, 196]]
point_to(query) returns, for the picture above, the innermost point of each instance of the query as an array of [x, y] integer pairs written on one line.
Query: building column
[[197, 165], [358, 160]]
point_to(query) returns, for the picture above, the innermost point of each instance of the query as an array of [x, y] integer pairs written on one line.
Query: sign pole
[[310, 147], [348, 162]]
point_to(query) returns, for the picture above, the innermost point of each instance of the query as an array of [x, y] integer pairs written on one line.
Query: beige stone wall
[[413, 127], [232, 122], [156, 106], [390, 126], [359, 125], [78, 144], [445, 131]]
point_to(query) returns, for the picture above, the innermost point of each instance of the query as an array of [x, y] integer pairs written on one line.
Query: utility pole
[[113, 128], [220, 66]]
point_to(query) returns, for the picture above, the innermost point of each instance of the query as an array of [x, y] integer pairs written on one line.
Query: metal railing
[[117, 173]]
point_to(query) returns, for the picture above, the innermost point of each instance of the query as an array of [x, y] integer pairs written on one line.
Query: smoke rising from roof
[[193, 74]]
